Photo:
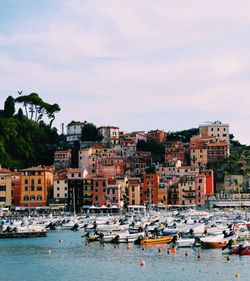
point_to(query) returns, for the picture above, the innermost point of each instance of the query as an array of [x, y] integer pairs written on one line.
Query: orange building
[[36, 186], [156, 135], [151, 189], [99, 194]]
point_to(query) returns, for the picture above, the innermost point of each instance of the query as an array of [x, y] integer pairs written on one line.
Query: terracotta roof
[[6, 171], [38, 168], [74, 170], [97, 146]]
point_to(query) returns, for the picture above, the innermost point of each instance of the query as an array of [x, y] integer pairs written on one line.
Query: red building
[[157, 135], [150, 189], [99, 194], [15, 189], [209, 191]]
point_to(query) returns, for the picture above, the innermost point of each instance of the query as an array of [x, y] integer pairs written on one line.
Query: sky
[[135, 64]]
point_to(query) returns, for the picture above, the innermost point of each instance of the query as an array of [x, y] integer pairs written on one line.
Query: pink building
[[113, 193]]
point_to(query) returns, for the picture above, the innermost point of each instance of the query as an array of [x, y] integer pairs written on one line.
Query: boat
[[185, 242], [240, 250], [93, 238], [155, 241], [218, 241]]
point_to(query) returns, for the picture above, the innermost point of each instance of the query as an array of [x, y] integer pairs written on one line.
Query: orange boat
[[155, 241], [217, 241]]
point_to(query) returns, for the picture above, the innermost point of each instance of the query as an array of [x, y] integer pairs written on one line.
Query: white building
[[215, 129], [74, 131]]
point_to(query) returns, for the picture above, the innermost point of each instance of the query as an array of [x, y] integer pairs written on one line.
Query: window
[[32, 198], [58, 195], [39, 188], [2, 199], [58, 188], [65, 188], [3, 188], [26, 198], [39, 181], [26, 181], [32, 182], [65, 195], [26, 188], [32, 188]]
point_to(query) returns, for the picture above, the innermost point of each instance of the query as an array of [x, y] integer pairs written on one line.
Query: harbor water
[[63, 255]]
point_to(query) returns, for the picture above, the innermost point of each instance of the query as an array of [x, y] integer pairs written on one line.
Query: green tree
[[36, 108], [9, 107], [90, 133]]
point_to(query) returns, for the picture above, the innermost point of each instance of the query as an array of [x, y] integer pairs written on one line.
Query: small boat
[[155, 241], [185, 242], [218, 241], [93, 238], [240, 250]]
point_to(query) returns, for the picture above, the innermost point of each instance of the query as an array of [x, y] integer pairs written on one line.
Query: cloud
[[166, 64]]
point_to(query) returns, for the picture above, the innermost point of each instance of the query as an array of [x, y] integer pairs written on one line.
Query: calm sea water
[[48, 259]]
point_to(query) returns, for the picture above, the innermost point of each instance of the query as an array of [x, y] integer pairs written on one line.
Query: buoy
[[237, 275], [49, 251], [60, 240], [199, 255], [228, 258], [174, 251], [142, 262], [128, 247], [186, 253], [168, 251]]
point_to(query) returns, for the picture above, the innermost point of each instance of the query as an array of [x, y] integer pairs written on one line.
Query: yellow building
[[5, 187], [36, 186], [133, 191]]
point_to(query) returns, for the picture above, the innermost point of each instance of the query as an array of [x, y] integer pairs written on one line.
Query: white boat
[[185, 242]]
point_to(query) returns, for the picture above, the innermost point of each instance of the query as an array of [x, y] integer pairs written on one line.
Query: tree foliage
[[24, 143], [9, 107], [27, 141], [36, 108], [157, 149], [90, 133], [183, 135]]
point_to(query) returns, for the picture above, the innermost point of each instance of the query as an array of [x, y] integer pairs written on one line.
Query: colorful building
[[62, 159], [133, 191], [156, 135], [36, 186], [5, 187], [150, 189]]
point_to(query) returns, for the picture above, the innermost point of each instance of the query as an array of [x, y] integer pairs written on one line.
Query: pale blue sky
[[136, 64]]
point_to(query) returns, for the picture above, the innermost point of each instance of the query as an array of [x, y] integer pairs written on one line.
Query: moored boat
[[155, 241]]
